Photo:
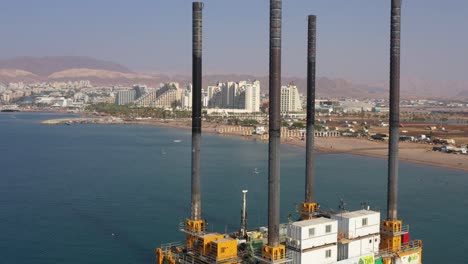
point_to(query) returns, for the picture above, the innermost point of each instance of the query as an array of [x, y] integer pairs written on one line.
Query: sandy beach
[[410, 152]]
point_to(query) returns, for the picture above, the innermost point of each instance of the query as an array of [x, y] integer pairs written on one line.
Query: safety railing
[[398, 231], [185, 229], [282, 258], [412, 245]]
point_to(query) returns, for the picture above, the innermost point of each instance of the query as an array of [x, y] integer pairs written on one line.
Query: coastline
[[415, 153], [409, 152]]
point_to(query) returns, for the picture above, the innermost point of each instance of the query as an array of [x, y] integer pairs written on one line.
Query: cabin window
[[364, 221], [328, 229], [328, 253], [311, 232]]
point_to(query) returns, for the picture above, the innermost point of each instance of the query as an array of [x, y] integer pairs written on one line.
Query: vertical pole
[[274, 124], [311, 55], [392, 199], [196, 107], [243, 230]]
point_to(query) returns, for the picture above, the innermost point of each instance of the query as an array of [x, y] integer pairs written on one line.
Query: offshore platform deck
[[318, 236]]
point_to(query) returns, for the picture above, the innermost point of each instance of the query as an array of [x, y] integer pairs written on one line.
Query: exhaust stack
[[309, 207], [311, 55], [274, 251], [392, 229], [196, 107], [274, 124], [392, 195], [243, 229], [196, 225]]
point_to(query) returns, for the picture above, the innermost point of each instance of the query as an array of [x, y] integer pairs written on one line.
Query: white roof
[[315, 221], [355, 214]]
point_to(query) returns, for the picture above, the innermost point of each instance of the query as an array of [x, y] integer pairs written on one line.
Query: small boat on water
[[177, 140]]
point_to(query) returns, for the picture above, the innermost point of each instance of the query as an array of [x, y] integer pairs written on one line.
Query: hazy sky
[[155, 35]]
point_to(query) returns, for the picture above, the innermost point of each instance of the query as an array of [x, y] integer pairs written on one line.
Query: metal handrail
[[402, 230], [415, 244], [171, 245], [293, 246], [284, 258], [197, 258], [412, 245], [183, 228]]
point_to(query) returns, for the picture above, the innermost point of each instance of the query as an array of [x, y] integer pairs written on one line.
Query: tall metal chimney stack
[[243, 229], [196, 107], [274, 250], [309, 207], [274, 123], [392, 227], [392, 198], [196, 225]]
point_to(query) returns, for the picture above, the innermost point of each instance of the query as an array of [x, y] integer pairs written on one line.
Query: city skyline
[[153, 36]]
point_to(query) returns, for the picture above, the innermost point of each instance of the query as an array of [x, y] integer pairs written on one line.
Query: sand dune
[[103, 74], [15, 73]]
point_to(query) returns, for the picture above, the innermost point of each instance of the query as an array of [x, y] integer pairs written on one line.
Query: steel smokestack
[[196, 107], [243, 229], [274, 124], [392, 195], [311, 58]]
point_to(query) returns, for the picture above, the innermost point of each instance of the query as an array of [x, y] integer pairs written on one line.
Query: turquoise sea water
[[112, 193]]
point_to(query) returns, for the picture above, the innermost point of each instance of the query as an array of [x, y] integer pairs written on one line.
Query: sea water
[[112, 193]]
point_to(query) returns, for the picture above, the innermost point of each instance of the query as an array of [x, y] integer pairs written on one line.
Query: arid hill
[[84, 73], [15, 75], [30, 69], [46, 66]]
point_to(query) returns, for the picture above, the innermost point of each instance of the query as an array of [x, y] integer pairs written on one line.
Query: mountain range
[[46, 66], [100, 72]]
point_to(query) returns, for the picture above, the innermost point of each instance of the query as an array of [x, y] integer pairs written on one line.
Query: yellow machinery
[[217, 248], [308, 210], [391, 241], [273, 254], [194, 227], [411, 253], [224, 250], [391, 235], [204, 243], [159, 256], [207, 248], [162, 258]]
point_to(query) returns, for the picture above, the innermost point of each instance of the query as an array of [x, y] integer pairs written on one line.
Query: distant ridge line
[[45, 66]]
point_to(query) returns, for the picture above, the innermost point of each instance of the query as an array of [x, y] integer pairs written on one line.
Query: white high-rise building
[[228, 94], [250, 100], [6, 97], [168, 95], [290, 99], [205, 98], [125, 97], [231, 95], [215, 97], [140, 90], [187, 97]]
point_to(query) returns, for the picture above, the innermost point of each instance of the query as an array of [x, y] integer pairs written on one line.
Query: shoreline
[[372, 149], [415, 153]]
